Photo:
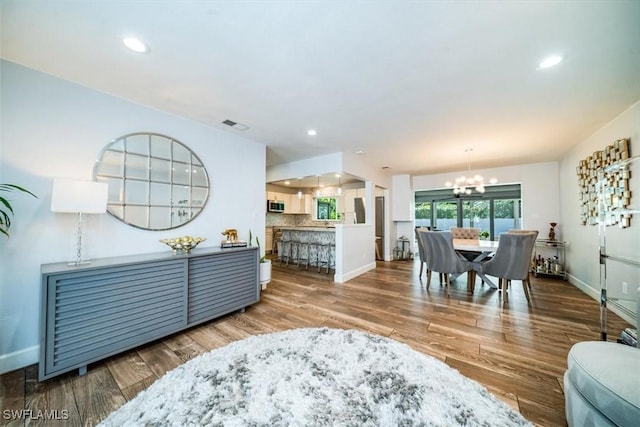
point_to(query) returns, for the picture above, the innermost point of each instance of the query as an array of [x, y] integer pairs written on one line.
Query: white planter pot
[[265, 273]]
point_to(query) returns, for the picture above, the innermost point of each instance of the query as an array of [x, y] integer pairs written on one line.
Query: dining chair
[[511, 261], [443, 258], [422, 251], [465, 233], [521, 231]]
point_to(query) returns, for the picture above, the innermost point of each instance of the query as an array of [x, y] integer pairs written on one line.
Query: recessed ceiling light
[[360, 152], [550, 61], [287, 182], [135, 44], [312, 132]]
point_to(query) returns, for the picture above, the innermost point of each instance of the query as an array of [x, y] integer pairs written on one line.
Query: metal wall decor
[[155, 182], [600, 168]]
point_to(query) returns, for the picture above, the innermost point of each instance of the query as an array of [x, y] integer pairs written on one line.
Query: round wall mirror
[[155, 182]]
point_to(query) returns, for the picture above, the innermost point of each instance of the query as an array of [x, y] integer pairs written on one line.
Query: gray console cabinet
[[92, 311]]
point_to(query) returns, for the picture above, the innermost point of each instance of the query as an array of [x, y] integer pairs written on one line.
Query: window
[[423, 214], [446, 215], [496, 211], [326, 208], [477, 214], [507, 214]]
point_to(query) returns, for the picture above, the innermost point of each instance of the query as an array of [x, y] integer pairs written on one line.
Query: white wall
[[320, 165], [582, 252], [540, 186], [355, 250], [53, 128]]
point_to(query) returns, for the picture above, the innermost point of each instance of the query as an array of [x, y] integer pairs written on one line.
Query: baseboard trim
[[355, 273], [594, 293], [19, 359]]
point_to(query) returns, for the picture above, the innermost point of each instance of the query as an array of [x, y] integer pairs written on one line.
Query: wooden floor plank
[[12, 398], [513, 348], [51, 403], [159, 358], [97, 395], [128, 369]]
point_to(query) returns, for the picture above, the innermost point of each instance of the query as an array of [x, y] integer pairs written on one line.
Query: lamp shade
[[72, 196]]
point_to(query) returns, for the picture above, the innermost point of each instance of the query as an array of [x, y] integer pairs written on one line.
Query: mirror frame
[[131, 166]]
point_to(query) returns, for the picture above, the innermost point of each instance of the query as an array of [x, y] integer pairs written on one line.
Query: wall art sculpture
[[605, 168]]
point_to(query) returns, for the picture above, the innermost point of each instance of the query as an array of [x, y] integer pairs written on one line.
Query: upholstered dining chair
[[465, 233], [511, 261], [443, 258], [422, 252], [520, 231]]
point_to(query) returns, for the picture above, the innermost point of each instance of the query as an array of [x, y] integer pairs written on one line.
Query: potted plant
[[265, 265], [6, 211]]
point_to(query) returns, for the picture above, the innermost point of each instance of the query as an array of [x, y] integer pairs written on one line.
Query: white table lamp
[[81, 197]]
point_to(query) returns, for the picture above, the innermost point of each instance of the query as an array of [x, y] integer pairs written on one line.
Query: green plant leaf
[[6, 211], [7, 204], [12, 187]]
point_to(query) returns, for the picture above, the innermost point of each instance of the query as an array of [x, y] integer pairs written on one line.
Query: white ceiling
[[411, 83]]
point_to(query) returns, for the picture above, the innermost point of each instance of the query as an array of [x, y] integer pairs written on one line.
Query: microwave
[[275, 206]]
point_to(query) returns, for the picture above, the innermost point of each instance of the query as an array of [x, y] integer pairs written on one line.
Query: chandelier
[[465, 183]]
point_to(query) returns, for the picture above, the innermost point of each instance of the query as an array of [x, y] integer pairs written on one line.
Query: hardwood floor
[[518, 351]]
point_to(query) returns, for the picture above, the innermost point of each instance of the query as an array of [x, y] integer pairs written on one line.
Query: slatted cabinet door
[[221, 284], [95, 313]]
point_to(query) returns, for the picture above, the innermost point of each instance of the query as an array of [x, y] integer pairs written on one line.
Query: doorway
[[379, 228]]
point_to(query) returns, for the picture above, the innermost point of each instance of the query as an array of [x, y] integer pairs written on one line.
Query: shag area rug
[[315, 377]]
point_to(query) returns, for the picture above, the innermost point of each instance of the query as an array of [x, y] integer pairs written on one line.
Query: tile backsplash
[[288, 220]]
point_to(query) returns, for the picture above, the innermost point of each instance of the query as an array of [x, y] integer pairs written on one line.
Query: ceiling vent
[[235, 125]]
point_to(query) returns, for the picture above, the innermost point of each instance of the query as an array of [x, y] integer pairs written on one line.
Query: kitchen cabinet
[[292, 204], [298, 206], [272, 195]]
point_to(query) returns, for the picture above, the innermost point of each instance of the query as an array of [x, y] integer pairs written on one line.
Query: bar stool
[[294, 252], [302, 252], [284, 250], [313, 254], [326, 248]]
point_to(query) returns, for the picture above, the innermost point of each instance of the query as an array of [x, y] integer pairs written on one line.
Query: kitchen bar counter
[[312, 246], [310, 228]]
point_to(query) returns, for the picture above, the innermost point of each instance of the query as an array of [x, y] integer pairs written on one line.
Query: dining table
[[483, 248]]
